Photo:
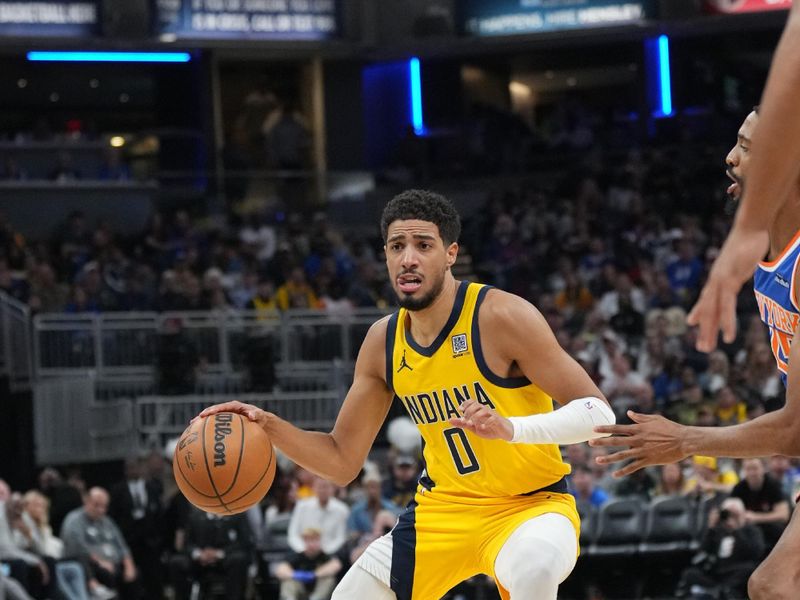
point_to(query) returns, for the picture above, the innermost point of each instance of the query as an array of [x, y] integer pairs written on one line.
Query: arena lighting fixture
[[131, 57], [117, 141], [665, 78], [415, 84]]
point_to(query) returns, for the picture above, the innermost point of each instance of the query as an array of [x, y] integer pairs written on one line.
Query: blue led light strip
[[665, 78], [416, 96], [137, 57]]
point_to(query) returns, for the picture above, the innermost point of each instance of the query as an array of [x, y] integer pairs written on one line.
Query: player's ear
[[452, 254]]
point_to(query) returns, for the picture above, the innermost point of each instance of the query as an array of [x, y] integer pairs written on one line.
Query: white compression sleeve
[[569, 424]]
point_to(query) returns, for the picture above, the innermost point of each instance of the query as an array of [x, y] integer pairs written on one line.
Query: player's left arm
[[524, 339]]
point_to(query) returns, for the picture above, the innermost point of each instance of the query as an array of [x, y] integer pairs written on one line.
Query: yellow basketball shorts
[[440, 542]]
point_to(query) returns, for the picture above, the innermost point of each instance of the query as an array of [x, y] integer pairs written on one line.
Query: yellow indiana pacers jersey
[[432, 381]]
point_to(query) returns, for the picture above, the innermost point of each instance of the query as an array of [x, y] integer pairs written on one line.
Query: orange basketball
[[224, 463]]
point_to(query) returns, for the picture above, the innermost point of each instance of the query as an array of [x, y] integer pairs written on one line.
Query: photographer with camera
[[730, 552]]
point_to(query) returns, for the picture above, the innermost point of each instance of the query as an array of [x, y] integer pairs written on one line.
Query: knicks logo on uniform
[[459, 344]]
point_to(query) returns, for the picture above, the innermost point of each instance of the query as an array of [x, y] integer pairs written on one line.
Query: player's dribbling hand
[[483, 421], [651, 440], [248, 410], [715, 310]]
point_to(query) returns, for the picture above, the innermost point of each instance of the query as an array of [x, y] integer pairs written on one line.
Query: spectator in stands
[[578, 455], [264, 301], [730, 410], [718, 373], [135, 507], [584, 488], [685, 271], [259, 239], [574, 298], [176, 359], [324, 512], [27, 567], [363, 512], [641, 484], [624, 388], [671, 481], [708, 479], [92, 538], [401, 485], [624, 296], [763, 497], [333, 299], [282, 498], [761, 378], [215, 547], [70, 577], [782, 471], [603, 477], [63, 496], [52, 295], [730, 551], [296, 292], [309, 574]]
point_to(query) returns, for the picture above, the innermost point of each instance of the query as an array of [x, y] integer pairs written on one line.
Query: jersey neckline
[[455, 313], [771, 264]]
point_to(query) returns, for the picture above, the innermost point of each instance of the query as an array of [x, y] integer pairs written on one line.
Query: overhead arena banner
[[248, 19], [61, 18], [510, 17], [744, 6]]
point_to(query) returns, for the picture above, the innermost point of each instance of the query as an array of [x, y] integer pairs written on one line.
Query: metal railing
[[228, 343], [161, 418], [15, 337], [72, 425]]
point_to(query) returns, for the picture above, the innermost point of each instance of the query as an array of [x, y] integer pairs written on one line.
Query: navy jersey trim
[[404, 544], [448, 327], [480, 359], [391, 329], [425, 478]]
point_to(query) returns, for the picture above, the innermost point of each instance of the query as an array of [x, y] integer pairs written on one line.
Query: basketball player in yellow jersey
[[477, 370]]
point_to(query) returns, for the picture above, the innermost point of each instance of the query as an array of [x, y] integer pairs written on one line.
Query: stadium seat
[[670, 526], [619, 528]]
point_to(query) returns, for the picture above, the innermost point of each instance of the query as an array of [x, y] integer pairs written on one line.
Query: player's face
[[418, 261], [738, 157]]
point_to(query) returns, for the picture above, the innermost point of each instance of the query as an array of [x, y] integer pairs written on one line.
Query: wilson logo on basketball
[[222, 429]]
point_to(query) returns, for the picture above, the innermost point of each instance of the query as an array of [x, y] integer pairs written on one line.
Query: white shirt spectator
[[330, 519]]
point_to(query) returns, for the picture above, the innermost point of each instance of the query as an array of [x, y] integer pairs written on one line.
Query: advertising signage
[[509, 17], [248, 19], [744, 6], [60, 18]]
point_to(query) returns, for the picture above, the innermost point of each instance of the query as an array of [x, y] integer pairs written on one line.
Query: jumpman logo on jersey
[[404, 364]]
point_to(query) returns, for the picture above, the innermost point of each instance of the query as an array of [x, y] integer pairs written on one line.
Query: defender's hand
[[652, 440], [483, 421], [716, 308]]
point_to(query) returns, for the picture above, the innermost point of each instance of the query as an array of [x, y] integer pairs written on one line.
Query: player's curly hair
[[423, 205]]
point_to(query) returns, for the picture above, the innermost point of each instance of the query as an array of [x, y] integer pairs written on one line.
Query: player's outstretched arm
[[522, 337], [774, 168], [340, 454], [654, 440]]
